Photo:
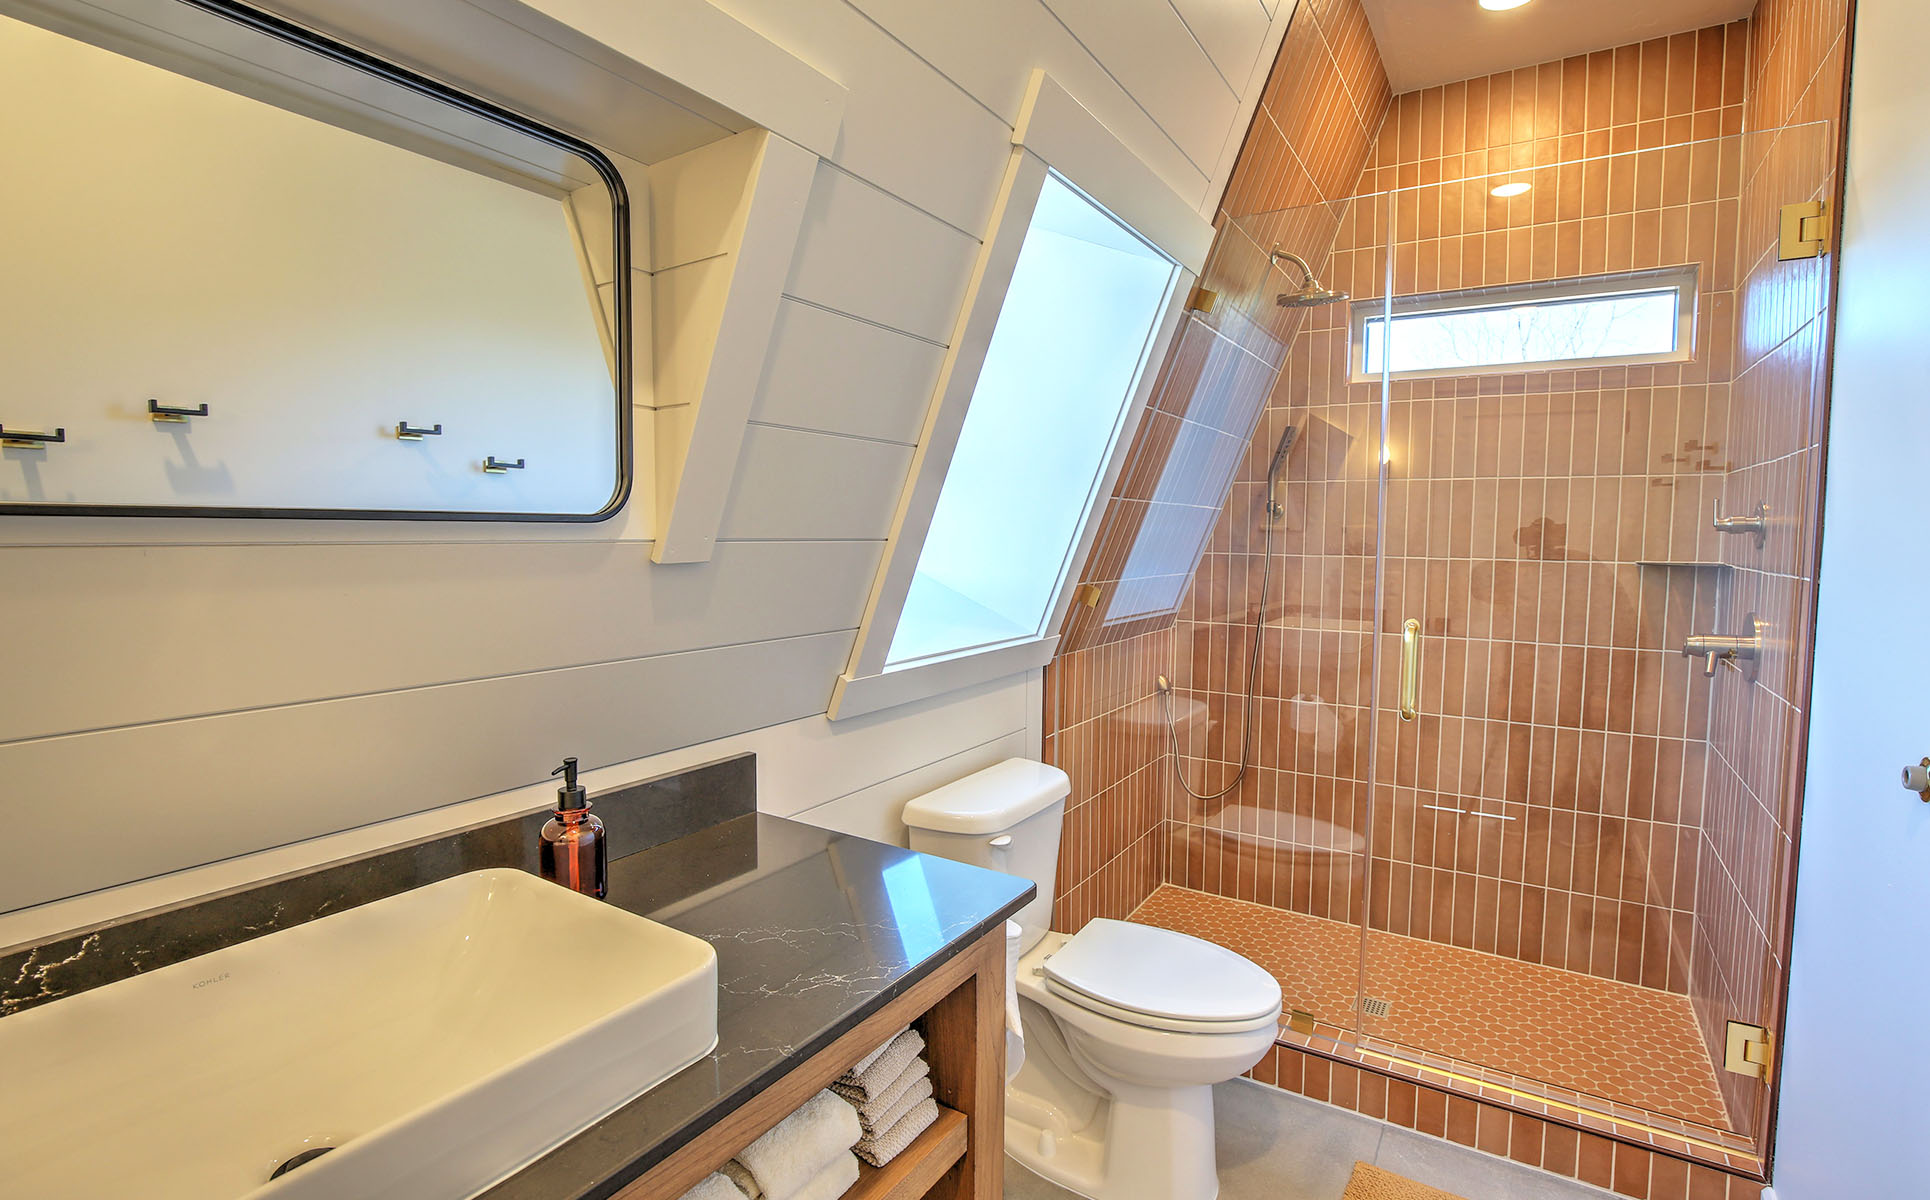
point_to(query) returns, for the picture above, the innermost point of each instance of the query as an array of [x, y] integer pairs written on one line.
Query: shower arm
[[1306, 272]]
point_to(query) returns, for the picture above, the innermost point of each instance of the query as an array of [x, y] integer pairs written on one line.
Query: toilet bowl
[[1126, 1027]]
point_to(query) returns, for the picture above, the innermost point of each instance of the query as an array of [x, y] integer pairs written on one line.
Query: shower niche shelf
[[1684, 564]]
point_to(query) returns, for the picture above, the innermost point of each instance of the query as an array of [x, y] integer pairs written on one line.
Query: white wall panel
[[907, 128], [165, 796], [876, 811], [841, 375], [1149, 50], [972, 44], [1230, 31], [792, 483], [178, 632], [869, 254]]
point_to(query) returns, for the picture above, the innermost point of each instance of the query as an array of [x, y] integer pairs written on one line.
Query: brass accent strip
[[1551, 1102], [1410, 669]]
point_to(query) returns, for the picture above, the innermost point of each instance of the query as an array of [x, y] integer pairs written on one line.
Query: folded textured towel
[[887, 1095], [879, 1149], [830, 1183], [714, 1187], [885, 1069], [797, 1148], [884, 1118], [740, 1175], [857, 1068]]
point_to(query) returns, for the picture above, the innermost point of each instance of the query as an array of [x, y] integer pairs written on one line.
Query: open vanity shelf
[[914, 1173], [960, 1007]]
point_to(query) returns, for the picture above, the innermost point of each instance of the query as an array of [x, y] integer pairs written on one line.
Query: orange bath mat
[[1372, 1183]]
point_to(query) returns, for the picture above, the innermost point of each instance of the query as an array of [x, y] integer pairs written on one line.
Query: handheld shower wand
[[1274, 511]]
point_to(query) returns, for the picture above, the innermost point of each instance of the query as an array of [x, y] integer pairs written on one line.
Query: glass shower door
[[1571, 887]]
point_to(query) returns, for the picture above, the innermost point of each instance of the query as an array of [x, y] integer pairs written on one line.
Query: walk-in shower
[[1510, 417]]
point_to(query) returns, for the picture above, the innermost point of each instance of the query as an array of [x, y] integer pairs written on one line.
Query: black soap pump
[[573, 850]]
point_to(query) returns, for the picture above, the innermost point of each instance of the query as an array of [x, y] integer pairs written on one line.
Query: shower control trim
[[1740, 650], [1756, 522]]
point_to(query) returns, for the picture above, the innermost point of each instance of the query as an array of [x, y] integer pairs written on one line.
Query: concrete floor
[[1277, 1146]]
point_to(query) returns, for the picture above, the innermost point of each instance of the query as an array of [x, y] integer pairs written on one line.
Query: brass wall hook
[[405, 432], [496, 466]]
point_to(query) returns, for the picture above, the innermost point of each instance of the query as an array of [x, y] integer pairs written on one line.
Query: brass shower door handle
[[1410, 669]]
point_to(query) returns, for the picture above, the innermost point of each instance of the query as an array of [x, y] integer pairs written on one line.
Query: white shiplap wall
[[197, 690]]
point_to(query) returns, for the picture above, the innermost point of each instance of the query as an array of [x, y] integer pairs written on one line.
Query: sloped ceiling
[[1428, 42]]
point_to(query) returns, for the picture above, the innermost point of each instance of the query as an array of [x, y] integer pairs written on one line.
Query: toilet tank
[[1005, 818]]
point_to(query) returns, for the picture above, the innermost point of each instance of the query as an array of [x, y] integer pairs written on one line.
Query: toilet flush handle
[[1001, 850]]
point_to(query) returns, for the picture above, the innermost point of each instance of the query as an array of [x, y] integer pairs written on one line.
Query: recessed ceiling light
[[1510, 189], [1501, 5]]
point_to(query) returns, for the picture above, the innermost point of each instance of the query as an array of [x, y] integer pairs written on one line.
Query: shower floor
[[1633, 1045]]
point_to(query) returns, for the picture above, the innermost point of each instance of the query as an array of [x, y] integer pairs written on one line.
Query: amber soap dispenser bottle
[[573, 851]]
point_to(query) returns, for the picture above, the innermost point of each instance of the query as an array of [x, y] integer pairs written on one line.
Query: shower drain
[[1372, 1007]]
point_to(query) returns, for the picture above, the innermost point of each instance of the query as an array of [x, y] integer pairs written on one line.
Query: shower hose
[[1252, 671]]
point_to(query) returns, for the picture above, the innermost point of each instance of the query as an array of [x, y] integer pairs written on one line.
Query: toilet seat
[[1158, 979]]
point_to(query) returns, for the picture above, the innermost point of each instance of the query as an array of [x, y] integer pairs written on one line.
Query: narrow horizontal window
[[1065, 358], [1646, 317]]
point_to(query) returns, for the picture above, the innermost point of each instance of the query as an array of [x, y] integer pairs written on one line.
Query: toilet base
[[1133, 1144]]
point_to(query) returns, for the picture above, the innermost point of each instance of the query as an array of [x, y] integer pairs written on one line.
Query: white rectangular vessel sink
[[438, 1040]]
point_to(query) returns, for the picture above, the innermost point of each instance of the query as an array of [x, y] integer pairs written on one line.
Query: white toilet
[[1126, 1027]]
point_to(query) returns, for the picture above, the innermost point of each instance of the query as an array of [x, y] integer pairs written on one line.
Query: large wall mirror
[[246, 271]]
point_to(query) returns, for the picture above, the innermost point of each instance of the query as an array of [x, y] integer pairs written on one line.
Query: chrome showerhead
[[1310, 293]]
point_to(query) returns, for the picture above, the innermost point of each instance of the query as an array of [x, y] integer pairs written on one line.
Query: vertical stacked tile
[[1311, 135], [1101, 726], [1289, 833], [1774, 447], [1548, 527]]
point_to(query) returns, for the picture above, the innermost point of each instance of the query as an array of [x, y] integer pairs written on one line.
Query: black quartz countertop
[[814, 931]]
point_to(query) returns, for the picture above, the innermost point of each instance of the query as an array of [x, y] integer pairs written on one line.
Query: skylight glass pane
[[1622, 325], [1065, 357]]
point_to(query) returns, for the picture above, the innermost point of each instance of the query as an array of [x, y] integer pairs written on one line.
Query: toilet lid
[[1154, 971]]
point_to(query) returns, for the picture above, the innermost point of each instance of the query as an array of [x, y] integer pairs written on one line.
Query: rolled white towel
[[830, 1183], [798, 1148], [870, 1106], [714, 1187], [885, 1069], [880, 1148], [740, 1175]]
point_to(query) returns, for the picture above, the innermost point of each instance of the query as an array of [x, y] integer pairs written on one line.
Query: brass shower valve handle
[[1917, 779]]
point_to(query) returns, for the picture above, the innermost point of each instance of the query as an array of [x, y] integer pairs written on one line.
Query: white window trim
[[1055, 133], [1682, 280]]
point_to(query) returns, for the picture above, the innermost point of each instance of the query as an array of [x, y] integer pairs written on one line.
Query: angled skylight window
[[1646, 317], [1071, 342], [1075, 292]]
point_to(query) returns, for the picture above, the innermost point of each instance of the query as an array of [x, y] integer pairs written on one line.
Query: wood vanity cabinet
[[960, 1007]]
